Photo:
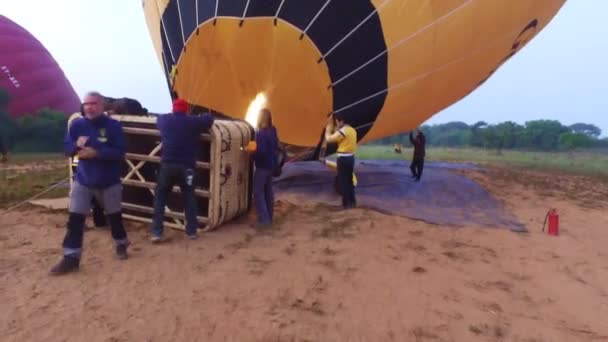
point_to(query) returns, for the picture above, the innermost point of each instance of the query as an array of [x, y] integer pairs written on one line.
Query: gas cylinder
[[552, 219]]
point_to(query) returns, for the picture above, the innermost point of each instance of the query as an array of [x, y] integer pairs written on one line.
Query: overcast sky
[[562, 74]]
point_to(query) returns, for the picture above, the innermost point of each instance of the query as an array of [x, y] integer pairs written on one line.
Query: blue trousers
[[170, 175], [263, 195]]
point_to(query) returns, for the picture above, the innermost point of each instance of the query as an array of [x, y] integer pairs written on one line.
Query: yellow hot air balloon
[[389, 65]]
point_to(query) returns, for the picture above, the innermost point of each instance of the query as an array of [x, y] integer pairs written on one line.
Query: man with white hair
[[98, 142]]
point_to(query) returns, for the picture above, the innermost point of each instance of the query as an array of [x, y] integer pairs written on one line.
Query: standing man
[[346, 138], [98, 142], [417, 164], [99, 218], [180, 136]]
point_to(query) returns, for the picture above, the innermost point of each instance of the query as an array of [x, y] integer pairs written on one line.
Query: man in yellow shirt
[[346, 138]]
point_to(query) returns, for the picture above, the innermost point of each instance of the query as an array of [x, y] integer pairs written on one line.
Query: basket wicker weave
[[222, 177]]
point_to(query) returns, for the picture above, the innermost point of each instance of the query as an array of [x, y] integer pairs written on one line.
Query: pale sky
[[560, 75]]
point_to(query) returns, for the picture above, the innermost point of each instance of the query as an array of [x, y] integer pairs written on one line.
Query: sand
[[324, 275]]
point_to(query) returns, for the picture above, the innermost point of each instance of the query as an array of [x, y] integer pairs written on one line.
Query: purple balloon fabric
[[30, 74]]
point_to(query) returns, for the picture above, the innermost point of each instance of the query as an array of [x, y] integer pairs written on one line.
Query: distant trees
[[43, 132], [546, 135], [38, 132]]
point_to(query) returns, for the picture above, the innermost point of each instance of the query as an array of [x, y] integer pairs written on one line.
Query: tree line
[[543, 135], [39, 132], [44, 131]]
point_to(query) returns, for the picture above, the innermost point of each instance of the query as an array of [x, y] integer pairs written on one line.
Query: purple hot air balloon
[[30, 74]]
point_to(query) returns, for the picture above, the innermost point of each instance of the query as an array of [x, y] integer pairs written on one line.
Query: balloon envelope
[[388, 65], [30, 75]]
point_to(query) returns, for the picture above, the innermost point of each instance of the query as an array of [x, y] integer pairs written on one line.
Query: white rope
[[181, 24], [61, 182], [276, 15], [356, 28], [404, 40], [245, 11], [316, 16], [162, 22], [166, 62], [196, 9]]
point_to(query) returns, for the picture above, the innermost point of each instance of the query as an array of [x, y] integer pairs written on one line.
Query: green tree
[[544, 134], [5, 99], [588, 129], [509, 135], [572, 141], [477, 133]]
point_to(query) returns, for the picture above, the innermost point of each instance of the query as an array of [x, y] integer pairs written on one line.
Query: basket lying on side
[[223, 173]]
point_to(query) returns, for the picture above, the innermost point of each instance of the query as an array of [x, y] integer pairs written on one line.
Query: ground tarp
[[442, 197]]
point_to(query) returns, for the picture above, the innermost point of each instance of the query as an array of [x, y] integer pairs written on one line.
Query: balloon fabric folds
[[389, 65], [30, 75]]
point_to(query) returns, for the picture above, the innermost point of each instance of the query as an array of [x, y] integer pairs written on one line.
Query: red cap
[[180, 105]]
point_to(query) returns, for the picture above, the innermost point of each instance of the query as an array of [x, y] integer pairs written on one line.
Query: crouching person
[[98, 142]]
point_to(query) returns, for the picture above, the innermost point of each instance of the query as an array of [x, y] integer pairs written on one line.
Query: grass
[[18, 183], [589, 163], [24, 158]]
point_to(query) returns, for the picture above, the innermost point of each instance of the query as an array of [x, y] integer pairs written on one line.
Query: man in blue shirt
[[98, 142], [180, 137]]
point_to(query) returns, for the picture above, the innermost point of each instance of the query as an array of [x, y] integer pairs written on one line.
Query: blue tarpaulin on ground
[[442, 197]]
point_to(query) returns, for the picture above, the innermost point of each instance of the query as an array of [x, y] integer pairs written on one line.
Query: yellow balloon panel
[[227, 65], [465, 46], [453, 35], [448, 8], [401, 19], [440, 88]]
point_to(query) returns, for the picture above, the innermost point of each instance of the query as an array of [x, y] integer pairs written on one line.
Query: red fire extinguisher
[[553, 219]]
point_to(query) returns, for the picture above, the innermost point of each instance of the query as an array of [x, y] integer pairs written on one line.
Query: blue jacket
[[106, 137], [180, 135], [267, 142]]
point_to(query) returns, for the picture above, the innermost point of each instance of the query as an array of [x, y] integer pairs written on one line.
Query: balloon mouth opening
[[253, 112]]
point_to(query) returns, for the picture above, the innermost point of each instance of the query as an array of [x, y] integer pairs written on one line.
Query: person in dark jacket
[[99, 218], [99, 143], [180, 137], [417, 164], [265, 159]]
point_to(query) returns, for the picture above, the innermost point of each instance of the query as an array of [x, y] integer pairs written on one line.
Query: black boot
[[119, 234], [121, 252], [66, 265]]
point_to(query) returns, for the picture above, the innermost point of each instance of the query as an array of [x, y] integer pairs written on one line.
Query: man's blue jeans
[[170, 175]]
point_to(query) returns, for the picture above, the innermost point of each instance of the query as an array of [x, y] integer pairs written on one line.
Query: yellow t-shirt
[[346, 137]]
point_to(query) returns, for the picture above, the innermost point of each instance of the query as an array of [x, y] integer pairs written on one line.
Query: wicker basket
[[222, 177]]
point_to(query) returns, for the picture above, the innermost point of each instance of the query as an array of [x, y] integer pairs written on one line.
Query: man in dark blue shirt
[[417, 164], [180, 137], [98, 142]]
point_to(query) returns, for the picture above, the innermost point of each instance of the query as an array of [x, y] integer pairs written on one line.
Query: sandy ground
[[324, 275]]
